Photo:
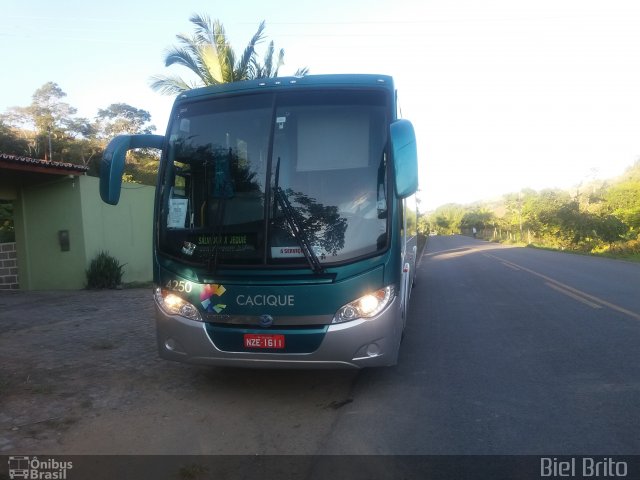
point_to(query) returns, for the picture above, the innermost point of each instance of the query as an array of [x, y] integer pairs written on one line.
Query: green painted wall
[[44, 209], [74, 204], [124, 230]]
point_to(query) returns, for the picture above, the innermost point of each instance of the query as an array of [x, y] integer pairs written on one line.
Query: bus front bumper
[[356, 344]]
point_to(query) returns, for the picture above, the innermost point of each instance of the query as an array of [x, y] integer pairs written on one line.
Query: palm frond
[[243, 67], [217, 38], [212, 64], [268, 61], [206, 31], [230, 72], [209, 55], [301, 72], [180, 56], [170, 85], [279, 63], [200, 56]]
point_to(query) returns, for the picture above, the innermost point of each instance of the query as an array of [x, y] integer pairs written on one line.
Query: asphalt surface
[[507, 351]]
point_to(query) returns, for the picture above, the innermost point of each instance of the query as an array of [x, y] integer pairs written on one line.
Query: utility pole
[[50, 148], [520, 212]]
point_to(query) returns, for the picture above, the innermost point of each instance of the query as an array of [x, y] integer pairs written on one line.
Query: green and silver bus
[[280, 226]]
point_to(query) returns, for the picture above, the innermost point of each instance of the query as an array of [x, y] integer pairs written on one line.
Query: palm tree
[[209, 55], [269, 68]]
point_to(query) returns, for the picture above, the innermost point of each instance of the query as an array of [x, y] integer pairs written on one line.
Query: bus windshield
[[276, 179]]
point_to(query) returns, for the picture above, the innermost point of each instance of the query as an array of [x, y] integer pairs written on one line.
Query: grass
[[41, 389], [616, 252], [629, 257]]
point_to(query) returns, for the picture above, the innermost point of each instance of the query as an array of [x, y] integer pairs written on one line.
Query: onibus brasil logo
[[37, 469], [207, 297]]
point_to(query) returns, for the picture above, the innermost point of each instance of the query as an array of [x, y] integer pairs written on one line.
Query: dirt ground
[[62, 360], [80, 374]]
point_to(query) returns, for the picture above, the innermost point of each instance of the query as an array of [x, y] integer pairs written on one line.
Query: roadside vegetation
[[600, 218], [104, 271]]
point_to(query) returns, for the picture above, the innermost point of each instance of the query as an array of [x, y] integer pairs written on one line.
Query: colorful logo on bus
[[207, 299]]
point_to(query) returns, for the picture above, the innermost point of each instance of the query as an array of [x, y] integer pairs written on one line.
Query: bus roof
[[336, 80]]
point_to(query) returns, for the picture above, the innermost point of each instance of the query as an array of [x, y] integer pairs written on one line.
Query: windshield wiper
[[298, 232]]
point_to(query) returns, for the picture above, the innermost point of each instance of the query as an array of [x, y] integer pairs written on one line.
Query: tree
[[443, 224], [121, 118], [49, 117], [47, 109], [623, 200], [447, 218], [610, 228], [478, 218], [209, 55], [424, 226], [11, 142]]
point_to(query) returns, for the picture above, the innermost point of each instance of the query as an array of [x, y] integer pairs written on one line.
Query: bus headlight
[[172, 304], [366, 306]]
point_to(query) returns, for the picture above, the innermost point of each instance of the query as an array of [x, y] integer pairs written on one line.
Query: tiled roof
[[33, 164]]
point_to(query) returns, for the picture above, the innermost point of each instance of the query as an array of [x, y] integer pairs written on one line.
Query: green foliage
[[424, 226], [447, 218], [49, 129], [412, 220], [604, 218], [630, 248], [623, 201], [104, 272], [121, 118], [128, 178], [478, 219], [208, 54], [610, 228], [7, 232], [11, 142]]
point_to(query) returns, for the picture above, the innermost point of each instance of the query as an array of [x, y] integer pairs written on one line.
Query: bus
[[280, 233]]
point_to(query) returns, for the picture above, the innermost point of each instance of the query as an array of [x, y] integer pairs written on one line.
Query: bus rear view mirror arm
[[113, 160]]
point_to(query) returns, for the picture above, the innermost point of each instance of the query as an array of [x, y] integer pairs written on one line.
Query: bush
[[104, 272], [630, 247]]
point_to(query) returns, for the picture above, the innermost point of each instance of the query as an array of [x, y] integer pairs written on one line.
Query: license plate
[[259, 340]]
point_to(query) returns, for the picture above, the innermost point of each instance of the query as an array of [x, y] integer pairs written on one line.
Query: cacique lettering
[[266, 300]]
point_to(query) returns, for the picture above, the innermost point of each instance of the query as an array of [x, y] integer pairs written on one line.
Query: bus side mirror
[[112, 165], [405, 157]]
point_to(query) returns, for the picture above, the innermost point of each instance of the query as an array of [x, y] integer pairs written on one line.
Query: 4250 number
[[179, 286]]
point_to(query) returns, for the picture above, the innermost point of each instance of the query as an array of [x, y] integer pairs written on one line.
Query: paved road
[[508, 351]]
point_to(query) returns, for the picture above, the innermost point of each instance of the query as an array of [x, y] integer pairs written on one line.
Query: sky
[[503, 94]]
